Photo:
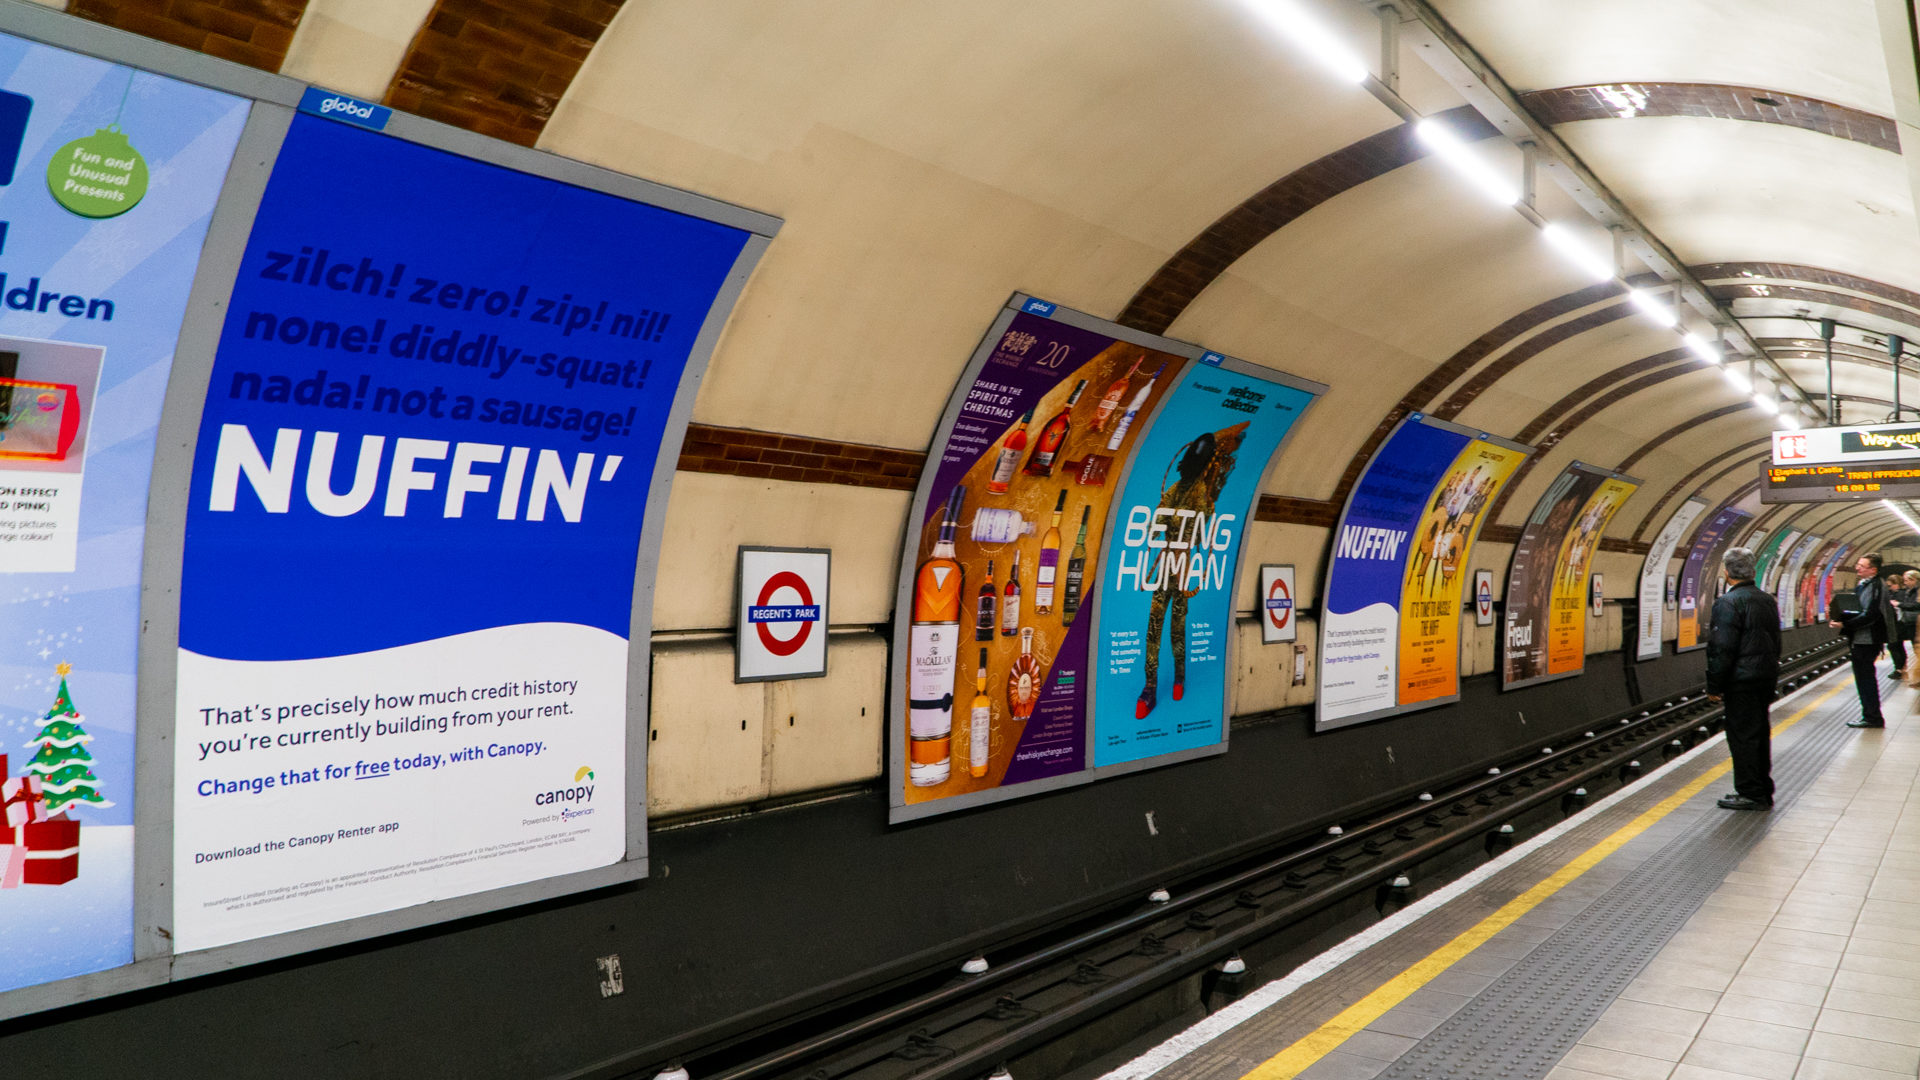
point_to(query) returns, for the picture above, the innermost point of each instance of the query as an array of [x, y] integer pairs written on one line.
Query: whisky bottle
[[1133, 409], [1023, 679], [1076, 572], [1053, 436], [1009, 459], [983, 620], [1111, 400], [933, 651], [981, 727], [1049, 561], [1010, 600]]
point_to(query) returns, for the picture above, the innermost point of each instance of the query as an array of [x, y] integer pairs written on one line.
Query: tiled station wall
[[502, 68]]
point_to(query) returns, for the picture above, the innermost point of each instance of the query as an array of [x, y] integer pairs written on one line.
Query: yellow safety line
[[1290, 1062]]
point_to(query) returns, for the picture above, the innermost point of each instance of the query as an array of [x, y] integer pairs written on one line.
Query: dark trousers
[[1898, 650], [1867, 681], [1750, 743]]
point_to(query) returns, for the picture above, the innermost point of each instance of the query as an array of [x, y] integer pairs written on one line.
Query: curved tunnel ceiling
[[1180, 167]]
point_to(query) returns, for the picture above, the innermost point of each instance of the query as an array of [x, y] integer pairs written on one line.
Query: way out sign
[[781, 614], [1276, 605]]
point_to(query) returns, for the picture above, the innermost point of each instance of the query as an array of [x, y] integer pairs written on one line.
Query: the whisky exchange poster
[[1697, 577]]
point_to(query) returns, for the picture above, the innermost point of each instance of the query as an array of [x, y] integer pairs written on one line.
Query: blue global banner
[[1166, 609], [422, 470]]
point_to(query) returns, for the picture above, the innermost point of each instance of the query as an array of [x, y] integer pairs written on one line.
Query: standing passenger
[[1743, 670], [1866, 631]]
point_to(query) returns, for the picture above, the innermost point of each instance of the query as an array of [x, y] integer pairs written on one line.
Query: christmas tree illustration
[[62, 759]]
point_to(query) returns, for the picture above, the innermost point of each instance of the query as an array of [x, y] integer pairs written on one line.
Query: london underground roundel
[[1279, 604], [782, 614], [766, 614]]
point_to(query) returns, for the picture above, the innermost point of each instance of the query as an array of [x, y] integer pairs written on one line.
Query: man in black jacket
[[1866, 631], [1743, 669]]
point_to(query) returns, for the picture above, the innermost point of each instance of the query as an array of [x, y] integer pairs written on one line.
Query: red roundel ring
[[789, 646], [1279, 617]]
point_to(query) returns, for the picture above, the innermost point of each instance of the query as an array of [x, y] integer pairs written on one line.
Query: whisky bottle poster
[[1698, 575], [1389, 635], [1819, 588], [1037, 726], [415, 513], [1165, 618], [1571, 597], [1531, 575], [1653, 577], [94, 286], [1796, 566]]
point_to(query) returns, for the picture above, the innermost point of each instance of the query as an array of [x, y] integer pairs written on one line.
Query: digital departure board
[[1839, 482]]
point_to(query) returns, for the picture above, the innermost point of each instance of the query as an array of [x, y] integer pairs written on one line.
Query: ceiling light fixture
[[1652, 308], [1587, 260], [1701, 347], [1314, 38], [1448, 147], [1789, 421], [1889, 504], [1737, 380], [1765, 404]]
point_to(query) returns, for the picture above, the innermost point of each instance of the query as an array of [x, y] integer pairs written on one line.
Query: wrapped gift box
[[53, 851], [20, 802]]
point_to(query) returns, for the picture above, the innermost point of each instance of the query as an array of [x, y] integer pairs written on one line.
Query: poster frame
[[274, 100], [1483, 618], [1605, 475], [739, 595], [1269, 635]]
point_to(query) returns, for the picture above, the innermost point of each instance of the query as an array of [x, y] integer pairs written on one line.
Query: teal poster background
[[1173, 551], [93, 303]]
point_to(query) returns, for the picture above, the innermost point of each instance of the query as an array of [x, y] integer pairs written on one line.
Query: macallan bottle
[[983, 621], [1076, 572], [1023, 679], [1133, 409], [1010, 600], [1047, 447], [981, 726], [933, 651], [1111, 399], [1009, 459], [1049, 561]]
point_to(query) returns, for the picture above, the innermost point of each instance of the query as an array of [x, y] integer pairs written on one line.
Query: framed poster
[[1599, 594], [1483, 598], [1276, 604], [1654, 570], [1673, 589], [780, 613], [1552, 563]]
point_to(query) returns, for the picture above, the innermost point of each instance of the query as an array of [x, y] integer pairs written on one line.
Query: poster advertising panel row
[[349, 645], [1771, 558], [1653, 577], [1547, 585], [1816, 590], [1390, 634], [1092, 485], [1792, 573], [1699, 577]]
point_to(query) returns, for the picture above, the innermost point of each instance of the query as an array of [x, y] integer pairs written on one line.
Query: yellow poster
[[1437, 569], [1567, 627]]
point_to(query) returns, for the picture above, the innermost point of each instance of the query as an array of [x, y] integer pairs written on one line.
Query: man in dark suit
[[1743, 671], [1866, 631]]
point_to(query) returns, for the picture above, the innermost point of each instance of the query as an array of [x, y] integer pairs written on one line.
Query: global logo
[[765, 614], [348, 106], [1279, 604]]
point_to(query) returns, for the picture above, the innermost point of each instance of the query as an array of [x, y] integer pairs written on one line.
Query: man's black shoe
[[1741, 802], [1867, 723]]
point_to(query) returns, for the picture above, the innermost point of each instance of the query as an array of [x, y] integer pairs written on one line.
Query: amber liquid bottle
[[1076, 573], [1009, 459], [1010, 601], [1116, 393], [933, 651], [1024, 678], [1053, 436], [1043, 579]]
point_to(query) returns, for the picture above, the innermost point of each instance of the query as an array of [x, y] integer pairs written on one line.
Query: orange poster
[[1567, 626]]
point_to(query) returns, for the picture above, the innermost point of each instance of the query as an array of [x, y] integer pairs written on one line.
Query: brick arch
[[251, 32], [1681, 484]]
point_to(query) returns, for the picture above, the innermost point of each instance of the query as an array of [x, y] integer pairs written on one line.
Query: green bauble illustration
[[99, 175]]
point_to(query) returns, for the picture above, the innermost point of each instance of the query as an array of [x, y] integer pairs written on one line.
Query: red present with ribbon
[[53, 851], [20, 796]]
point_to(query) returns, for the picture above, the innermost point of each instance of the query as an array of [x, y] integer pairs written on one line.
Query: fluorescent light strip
[[1889, 504], [1652, 308], [1737, 380], [1587, 260], [1314, 38], [1789, 421], [1702, 348], [1448, 147]]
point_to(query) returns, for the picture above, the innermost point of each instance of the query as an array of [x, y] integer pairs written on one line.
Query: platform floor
[[1655, 936]]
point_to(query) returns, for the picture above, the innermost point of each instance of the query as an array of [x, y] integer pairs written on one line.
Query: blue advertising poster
[[1165, 617], [414, 520], [108, 178]]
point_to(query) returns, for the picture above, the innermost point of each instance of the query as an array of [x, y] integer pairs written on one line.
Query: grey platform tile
[[1433, 1002], [1695, 1072], [1339, 1066], [1891, 1057], [1563, 1073], [1772, 989], [1889, 934], [1653, 1017], [1378, 1045], [1672, 994], [1850, 977], [1816, 1069], [1742, 1060], [1859, 1001], [1826, 959], [1678, 974], [1629, 1039], [1785, 1038], [1786, 1013], [1414, 1026], [1464, 983], [1788, 971], [1833, 941], [1865, 1026], [1615, 1063]]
